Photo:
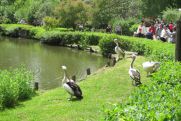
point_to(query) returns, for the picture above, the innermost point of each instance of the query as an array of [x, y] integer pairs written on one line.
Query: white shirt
[[165, 33], [142, 30]]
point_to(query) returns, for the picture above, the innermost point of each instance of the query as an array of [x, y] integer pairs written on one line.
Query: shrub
[[124, 24], [107, 45], [62, 38], [171, 15], [4, 20], [8, 89], [24, 79], [156, 50], [133, 28], [14, 85], [50, 22], [159, 100]]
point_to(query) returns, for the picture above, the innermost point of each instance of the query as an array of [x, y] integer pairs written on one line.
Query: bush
[[24, 79], [171, 15], [156, 50], [4, 20], [124, 24], [159, 100], [14, 85], [133, 28], [50, 22], [107, 45], [63, 38]]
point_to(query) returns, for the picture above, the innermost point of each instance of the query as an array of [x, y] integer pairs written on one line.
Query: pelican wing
[[135, 74], [76, 89]]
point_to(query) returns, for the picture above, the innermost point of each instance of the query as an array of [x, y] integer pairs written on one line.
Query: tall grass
[[15, 85]]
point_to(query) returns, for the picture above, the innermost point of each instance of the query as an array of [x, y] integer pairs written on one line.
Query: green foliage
[[32, 32], [105, 10], [24, 80], [154, 8], [4, 20], [159, 100], [14, 85], [72, 13], [153, 49], [63, 38], [50, 22], [133, 28], [171, 15], [125, 24], [156, 50], [107, 45]]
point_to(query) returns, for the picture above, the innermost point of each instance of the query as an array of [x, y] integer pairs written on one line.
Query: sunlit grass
[[108, 85]]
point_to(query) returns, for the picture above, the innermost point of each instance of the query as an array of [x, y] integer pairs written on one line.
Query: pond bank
[[108, 85], [61, 36]]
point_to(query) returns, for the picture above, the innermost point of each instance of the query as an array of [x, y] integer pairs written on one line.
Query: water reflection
[[46, 60]]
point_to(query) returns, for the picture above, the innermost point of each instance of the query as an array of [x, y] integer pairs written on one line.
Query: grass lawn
[[107, 85]]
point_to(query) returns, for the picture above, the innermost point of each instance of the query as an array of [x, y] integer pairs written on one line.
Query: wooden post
[[74, 78], [91, 50], [178, 42], [36, 86], [78, 47], [88, 71]]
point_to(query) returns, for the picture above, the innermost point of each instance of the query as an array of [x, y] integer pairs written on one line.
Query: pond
[[46, 61]]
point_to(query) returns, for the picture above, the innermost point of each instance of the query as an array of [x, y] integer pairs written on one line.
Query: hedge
[[158, 100], [156, 50]]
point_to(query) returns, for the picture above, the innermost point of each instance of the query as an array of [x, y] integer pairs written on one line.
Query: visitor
[[141, 31], [165, 33], [151, 32], [118, 30], [109, 29], [171, 27], [172, 38], [158, 31]]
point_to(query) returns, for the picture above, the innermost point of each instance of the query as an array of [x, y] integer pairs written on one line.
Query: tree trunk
[[178, 42]]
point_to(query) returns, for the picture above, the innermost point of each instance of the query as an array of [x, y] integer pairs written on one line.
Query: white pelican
[[150, 66], [70, 86], [118, 50], [134, 74]]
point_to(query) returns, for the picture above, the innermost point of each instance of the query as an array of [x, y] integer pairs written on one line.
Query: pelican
[[118, 50], [134, 74], [70, 86], [150, 66]]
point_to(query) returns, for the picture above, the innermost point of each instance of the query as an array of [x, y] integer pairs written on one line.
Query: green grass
[[108, 85]]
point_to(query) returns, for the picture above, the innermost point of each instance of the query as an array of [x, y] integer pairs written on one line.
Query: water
[[46, 61]]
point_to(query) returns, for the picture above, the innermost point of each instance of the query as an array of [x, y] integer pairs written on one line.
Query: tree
[[171, 15], [71, 13], [105, 10], [155, 7]]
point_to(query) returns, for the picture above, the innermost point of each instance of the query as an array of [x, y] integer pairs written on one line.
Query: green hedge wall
[[156, 50]]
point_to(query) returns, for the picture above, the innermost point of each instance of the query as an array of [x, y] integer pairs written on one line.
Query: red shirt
[[171, 27], [152, 29]]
